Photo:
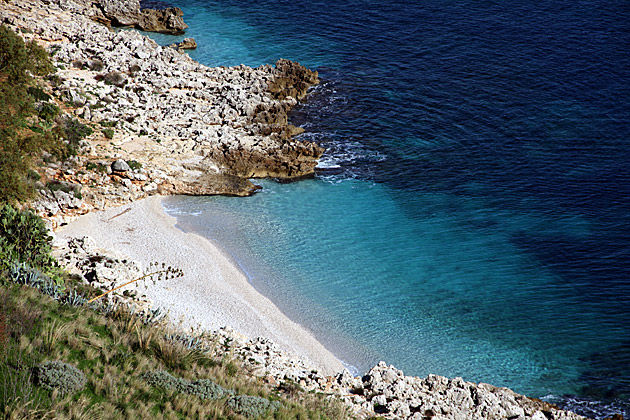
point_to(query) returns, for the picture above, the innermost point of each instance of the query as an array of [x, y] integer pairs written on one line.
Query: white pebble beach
[[213, 292]]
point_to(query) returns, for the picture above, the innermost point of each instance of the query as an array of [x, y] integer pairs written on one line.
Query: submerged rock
[[185, 44]]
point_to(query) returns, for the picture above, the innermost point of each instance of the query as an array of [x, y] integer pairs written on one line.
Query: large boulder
[[185, 44], [120, 166], [128, 13], [167, 21], [121, 13]]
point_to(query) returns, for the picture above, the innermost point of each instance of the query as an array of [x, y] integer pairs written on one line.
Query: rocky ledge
[[128, 13]]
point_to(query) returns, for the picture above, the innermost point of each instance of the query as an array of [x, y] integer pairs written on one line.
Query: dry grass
[[27, 410], [53, 332], [114, 352]]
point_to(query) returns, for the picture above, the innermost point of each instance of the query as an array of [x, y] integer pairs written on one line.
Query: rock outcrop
[[293, 80], [191, 129], [128, 13], [121, 13], [288, 160], [385, 391], [185, 44], [167, 21]]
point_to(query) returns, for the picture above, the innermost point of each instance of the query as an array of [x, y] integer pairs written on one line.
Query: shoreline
[[214, 293], [173, 158], [209, 275]]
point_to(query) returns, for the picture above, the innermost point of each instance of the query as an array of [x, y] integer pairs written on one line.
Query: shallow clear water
[[473, 217]]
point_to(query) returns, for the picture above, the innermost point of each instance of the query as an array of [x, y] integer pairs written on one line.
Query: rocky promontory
[[188, 128]]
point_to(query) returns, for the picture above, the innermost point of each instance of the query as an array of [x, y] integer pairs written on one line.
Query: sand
[[213, 292]]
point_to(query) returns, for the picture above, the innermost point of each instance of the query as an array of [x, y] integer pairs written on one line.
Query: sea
[[471, 214]]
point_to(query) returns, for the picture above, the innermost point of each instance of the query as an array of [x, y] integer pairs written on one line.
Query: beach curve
[[213, 293]]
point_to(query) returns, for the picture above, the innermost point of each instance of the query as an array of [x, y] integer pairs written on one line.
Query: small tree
[[24, 238], [19, 61]]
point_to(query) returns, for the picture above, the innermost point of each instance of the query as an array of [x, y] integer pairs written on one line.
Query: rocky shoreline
[[188, 128], [178, 127]]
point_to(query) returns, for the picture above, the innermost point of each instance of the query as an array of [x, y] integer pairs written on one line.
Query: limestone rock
[[185, 44], [293, 80], [97, 266], [167, 21], [120, 166], [289, 160], [210, 184], [121, 13]]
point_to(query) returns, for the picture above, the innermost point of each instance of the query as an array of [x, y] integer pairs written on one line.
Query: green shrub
[[75, 131], [24, 236], [96, 166], [108, 133], [38, 93], [250, 406], [203, 388], [18, 63], [163, 379], [107, 123], [48, 111], [33, 175], [133, 164], [60, 376], [207, 390], [74, 189], [18, 58]]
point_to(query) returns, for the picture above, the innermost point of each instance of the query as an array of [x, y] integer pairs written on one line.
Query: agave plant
[[188, 341], [73, 299]]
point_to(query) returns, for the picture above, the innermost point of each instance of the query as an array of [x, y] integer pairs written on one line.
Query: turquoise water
[[471, 215], [437, 292]]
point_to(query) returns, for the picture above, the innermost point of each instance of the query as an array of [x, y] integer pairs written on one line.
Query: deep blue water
[[474, 217]]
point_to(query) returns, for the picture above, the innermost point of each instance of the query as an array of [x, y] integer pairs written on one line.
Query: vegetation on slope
[[112, 365], [30, 121]]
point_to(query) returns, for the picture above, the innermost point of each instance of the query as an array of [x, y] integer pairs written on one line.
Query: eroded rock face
[[129, 13], [121, 13], [290, 159], [285, 157], [292, 80], [167, 21]]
